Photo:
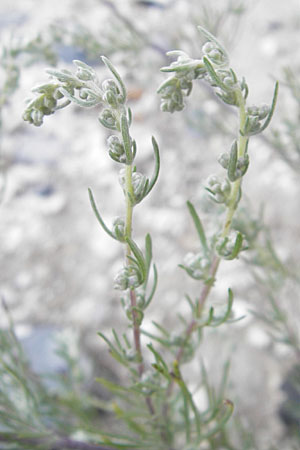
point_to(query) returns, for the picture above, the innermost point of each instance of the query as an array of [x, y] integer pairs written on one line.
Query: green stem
[[231, 207], [129, 206], [128, 229], [129, 195], [236, 185]]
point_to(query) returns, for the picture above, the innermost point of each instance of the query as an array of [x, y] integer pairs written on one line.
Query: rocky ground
[[57, 265]]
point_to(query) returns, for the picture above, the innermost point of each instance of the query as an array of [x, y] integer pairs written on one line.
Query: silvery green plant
[[157, 408], [213, 68]]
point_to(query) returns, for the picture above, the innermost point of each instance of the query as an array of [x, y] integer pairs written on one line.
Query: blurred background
[[57, 265]]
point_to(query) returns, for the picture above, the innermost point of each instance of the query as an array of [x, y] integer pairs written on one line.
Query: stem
[[207, 287], [129, 195], [242, 145], [231, 207], [128, 230], [129, 207]]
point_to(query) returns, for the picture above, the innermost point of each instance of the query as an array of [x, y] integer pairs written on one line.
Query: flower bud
[[119, 229], [83, 93], [138, 183], [111, 92], [196, 265], [127, 277], [230, 246], [218, 188], [140, 300], [121, 280], [108, 119], [214, 53], [84, 74], [223, 159], [110, 85], [263, 111], [49, 102], [36, 117], [116, 149]]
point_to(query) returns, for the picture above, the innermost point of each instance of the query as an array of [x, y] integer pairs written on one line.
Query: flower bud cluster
[[213, 67], [230, 246], [80, 88], [175, 88], [214, 53], [240, 168], [140, 303], [197, 265], [84, 72], [128, 277], [44, 104], [111, 93], [116, 149], [108, 119], [119, 229], [218, 188], [255, 114], [139, 185]]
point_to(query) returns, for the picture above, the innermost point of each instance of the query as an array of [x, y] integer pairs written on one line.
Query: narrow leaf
[[237, 246], [155, 277], [214, 75], [157, 165], [97, 214], [213, 39], [117, 76], [198, 226], [78, 101], [126, 139], [148, 251], [139, 257], [272, 109], [227, 314], [233, 161]]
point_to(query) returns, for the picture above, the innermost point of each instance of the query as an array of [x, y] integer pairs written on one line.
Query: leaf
[[78, 101], [157, 165], [233, 161], [213, 39], [224, 381], [214, 75], [198, 226], [221, 422], [217, 322], [140, 260], [113, 351], [112, 387], [155, 278], [110, 66], [272, 109], [161, 341], [160, 365], [237, 246], [97, 214], [148, 251], [188, 398], [126, 139]]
